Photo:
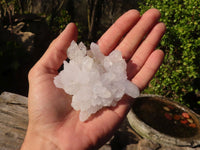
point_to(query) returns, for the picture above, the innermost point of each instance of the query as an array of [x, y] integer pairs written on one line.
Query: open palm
[[52, 121]]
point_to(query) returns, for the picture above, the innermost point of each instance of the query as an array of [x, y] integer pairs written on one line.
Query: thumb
[[56, 53]]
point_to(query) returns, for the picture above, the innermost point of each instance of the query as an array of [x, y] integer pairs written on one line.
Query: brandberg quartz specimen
[[94, 80]]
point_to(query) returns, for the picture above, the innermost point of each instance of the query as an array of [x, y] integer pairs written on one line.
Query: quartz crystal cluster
[[94, 80]]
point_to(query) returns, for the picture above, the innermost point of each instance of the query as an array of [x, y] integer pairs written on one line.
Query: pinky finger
[[146, 73]]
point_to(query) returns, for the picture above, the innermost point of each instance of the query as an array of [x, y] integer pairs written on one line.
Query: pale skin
[[53, 124]]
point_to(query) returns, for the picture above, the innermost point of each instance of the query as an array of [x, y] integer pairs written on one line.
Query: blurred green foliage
[[58, 22], [181, 44]]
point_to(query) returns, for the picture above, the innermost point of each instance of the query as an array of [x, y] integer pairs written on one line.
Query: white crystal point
[[76, 51], [98, 56], [131, 89], [94, 80], [84, 115]]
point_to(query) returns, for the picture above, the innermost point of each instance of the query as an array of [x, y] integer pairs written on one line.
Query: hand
[[53, 124]]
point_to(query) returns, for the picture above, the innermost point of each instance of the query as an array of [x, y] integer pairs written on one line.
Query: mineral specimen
[[94, 80]]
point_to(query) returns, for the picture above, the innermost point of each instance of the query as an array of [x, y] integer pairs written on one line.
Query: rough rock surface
[[13, 120]]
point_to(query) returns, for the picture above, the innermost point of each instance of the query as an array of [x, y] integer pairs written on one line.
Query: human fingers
[[56, 53], [145, 49], [148, 70], [136, 35], [115, 33]]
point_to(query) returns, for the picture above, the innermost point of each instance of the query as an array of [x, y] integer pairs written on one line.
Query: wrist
[[34, 141]]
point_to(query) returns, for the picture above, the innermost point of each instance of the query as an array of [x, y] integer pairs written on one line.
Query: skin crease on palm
[[53, 124]]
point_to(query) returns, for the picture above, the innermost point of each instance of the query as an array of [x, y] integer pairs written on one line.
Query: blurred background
[[28, 26]]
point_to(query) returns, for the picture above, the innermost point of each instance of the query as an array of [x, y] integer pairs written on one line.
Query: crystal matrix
[[94, 80]]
